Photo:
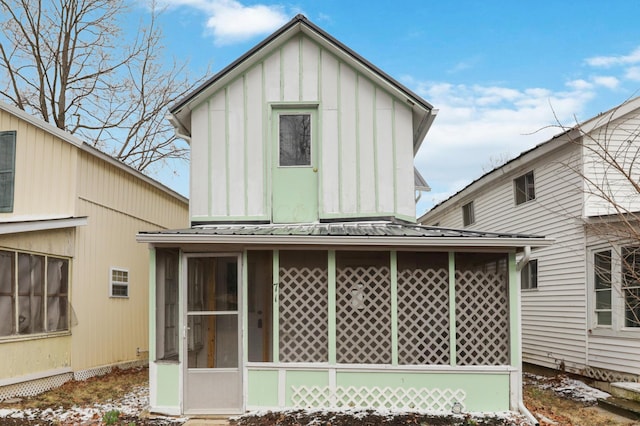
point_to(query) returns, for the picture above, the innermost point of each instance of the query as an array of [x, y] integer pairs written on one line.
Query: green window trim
[[7, 170]]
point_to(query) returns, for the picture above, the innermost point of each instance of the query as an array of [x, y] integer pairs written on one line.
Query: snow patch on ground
[[567, 387]]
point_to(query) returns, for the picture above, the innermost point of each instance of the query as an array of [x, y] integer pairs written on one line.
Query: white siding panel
[[236, 142], [329, 87], [272, 77], [617, 354], [348, 129], [199, 191], [218, 161], [256, 144], [330, 182], [309, 70], [615, 139], [384, 146], [403, 141], [553, 316], [291, 70], [366, 147]]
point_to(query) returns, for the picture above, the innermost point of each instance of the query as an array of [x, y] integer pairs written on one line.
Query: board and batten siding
[[553, 316], [118, 205], [364, 138], [45, 165]]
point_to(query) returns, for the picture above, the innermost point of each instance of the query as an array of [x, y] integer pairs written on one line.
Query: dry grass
[[94, 390], [565, 412]]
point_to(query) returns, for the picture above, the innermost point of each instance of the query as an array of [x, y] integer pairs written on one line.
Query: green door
[[295, 167]]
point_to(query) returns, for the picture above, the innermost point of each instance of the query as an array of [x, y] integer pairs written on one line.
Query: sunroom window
[[34, 293], [602, 286], [631, 285]]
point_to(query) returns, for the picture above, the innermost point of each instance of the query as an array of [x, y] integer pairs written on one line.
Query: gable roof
[[423, 112], [557, 141]]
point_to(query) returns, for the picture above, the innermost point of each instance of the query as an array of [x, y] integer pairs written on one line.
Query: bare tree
[[610, 172], [67, 62]]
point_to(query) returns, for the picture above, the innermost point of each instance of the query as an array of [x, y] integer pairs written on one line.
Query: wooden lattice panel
[[303, 315], [482, 318], [434, 399], [363, 315], [423, 316]]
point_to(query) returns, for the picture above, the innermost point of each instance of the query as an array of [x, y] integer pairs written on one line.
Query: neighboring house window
[[34, 293], [529, 275], [119, 283], [602, 286], [468, 215], [295, 139], [631, 285], [525, 188], [7, 170]]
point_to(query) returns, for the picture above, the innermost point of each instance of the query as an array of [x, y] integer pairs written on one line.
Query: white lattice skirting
[[435, 399]]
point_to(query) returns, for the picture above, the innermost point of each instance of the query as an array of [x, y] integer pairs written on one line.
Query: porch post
[[275, 309], [452, 309], [393, 261], [331, 277], [514, 313]]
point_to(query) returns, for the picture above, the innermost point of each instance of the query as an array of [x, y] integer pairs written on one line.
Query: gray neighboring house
[[580, 296]]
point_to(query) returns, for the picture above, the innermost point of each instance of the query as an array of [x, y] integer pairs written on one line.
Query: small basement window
[[468, 214], [525, 188], [119, 283]]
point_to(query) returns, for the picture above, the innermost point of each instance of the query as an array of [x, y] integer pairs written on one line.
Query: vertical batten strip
[[375, 147], [209, 159], [300, 71], [358, 180], [393, 260], [331, 294], [245, 157], [266, 141], [339, 147], [319, 163], [394, 141], [226, 148], [452, 309]]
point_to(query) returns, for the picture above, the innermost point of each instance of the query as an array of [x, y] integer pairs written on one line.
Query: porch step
[[626, 390], [209, 421]]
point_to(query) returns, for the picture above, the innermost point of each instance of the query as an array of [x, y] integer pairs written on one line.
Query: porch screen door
[[213, 377]]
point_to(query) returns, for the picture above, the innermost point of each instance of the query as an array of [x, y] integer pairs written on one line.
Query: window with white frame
[[631, 285], [529, 275], [524, 188], [119, 283], [34, 293], [7, 170], [468, 214], [602, 287]]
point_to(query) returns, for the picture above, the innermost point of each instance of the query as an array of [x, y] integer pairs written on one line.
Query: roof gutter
[[179, 129], [323, 240]]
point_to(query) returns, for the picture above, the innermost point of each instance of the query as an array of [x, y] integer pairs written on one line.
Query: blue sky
[[499, 72]]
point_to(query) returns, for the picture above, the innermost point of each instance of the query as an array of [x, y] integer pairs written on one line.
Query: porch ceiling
[[368, 233]]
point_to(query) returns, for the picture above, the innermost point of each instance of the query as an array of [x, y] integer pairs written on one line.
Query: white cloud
[[609, 61], [231, 22], [606, 81], [478, 124], [633, 73]]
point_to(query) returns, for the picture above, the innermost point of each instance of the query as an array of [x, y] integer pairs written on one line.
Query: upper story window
[[602, 286], [7, 170], [34, 293], [119, 283], [529, 275], [468, 214], [525, 188], [295, 139]]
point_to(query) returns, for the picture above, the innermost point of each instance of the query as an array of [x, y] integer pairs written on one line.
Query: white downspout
[[521, 407]]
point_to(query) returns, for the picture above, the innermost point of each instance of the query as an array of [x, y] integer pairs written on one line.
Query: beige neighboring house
[[73, 280]]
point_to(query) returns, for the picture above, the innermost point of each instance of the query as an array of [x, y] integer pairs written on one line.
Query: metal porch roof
[[342, 233]]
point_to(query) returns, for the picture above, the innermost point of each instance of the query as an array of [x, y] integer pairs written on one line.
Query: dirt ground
[[121, 398]]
